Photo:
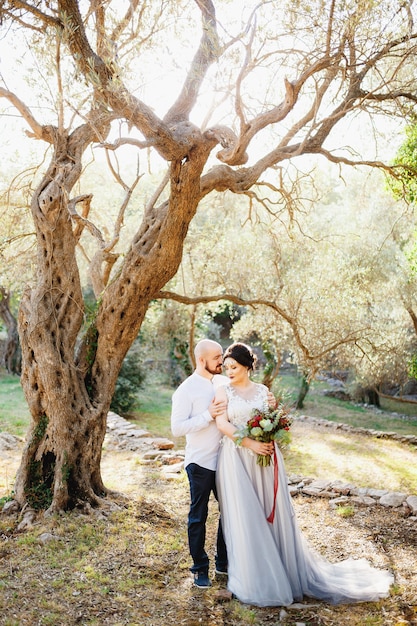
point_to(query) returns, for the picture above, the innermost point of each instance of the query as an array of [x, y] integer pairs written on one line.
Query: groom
[[194, 413]]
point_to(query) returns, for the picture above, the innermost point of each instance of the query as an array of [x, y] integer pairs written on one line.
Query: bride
[[270, 563]]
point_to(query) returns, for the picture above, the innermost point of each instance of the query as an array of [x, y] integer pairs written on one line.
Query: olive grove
[[330, 289], [265, 88]]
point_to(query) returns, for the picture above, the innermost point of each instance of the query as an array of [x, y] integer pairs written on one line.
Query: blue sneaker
[[201, 580]]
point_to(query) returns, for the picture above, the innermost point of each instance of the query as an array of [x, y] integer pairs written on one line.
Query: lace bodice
[[239, 409]]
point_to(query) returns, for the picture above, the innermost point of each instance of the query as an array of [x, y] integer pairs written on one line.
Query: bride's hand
[[272, 401], [266, 449]]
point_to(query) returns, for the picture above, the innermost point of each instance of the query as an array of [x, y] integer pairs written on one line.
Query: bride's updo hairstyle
[[242, 354]]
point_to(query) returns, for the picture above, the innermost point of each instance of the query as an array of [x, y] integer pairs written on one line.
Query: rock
[[363, 500], [223, 595], [393, 499], [343, 488], [28, 519], [338, 502], [412, 503], [151, 455], [320, 485], [311, 492], [169, 476], [123, 435], [9, 442], [172, 460], [172, 469], [406, 511], [294, 479], [377, 493], [319, 488], [47, 537], [327, 494], [163, 444], [10, 507], [137, 432]]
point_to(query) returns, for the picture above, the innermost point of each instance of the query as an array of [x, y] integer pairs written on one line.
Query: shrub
[[131, 379]]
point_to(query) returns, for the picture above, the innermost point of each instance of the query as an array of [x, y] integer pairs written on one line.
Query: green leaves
[[405, 182]]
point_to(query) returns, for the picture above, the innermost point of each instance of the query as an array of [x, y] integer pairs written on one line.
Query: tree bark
[[12, 355], [273, 365], [69, 384], [304, 389], [60, 463], [369, 395]]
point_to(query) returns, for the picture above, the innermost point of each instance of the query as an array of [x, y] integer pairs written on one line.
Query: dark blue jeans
[[202, 483]]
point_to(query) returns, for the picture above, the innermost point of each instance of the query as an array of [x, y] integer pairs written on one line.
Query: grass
[[399, 417], [318, 453], [129, 565], [14, 412], [153, 413], [79, 573], [362, 461], [345, 510], [154, 408]]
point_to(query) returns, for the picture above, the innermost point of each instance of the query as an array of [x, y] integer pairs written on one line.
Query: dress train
[[271, 564]]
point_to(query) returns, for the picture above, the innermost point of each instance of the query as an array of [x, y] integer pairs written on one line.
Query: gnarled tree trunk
[[61, 459], [69, 383]]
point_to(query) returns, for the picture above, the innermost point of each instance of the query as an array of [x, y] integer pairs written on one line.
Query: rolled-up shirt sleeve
[[182, 420]]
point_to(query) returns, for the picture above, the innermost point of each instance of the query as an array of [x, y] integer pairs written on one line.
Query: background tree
[[329, 287], [11, 351], [277, 101], [405, 181]]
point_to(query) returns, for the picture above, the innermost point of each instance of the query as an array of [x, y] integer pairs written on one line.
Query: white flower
[[266, 425]]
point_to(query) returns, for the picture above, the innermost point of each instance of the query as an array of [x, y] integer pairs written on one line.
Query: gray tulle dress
[[271, 564]]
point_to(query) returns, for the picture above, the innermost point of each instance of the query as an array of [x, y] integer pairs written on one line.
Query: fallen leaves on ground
[[128, 565]]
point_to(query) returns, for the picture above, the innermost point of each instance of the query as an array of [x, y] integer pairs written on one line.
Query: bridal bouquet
[[267, 425]]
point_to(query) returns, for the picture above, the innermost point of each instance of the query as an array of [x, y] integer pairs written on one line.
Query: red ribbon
[[271, 516]]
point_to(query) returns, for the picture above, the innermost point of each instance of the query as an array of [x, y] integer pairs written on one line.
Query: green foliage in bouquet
[[267, 425]]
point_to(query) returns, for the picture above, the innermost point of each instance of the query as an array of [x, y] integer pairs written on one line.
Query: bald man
[[194, 413]]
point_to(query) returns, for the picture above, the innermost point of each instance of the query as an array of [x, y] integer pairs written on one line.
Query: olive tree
[[329, 287], [261, 89]]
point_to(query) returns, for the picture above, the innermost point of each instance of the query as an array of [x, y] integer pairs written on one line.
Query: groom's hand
[[217, 407]]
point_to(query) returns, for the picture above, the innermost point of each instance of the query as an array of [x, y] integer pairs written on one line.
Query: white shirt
[[190, 417]]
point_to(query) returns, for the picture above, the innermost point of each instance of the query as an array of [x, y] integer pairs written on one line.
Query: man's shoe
[[221, 571], [201, 580]]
